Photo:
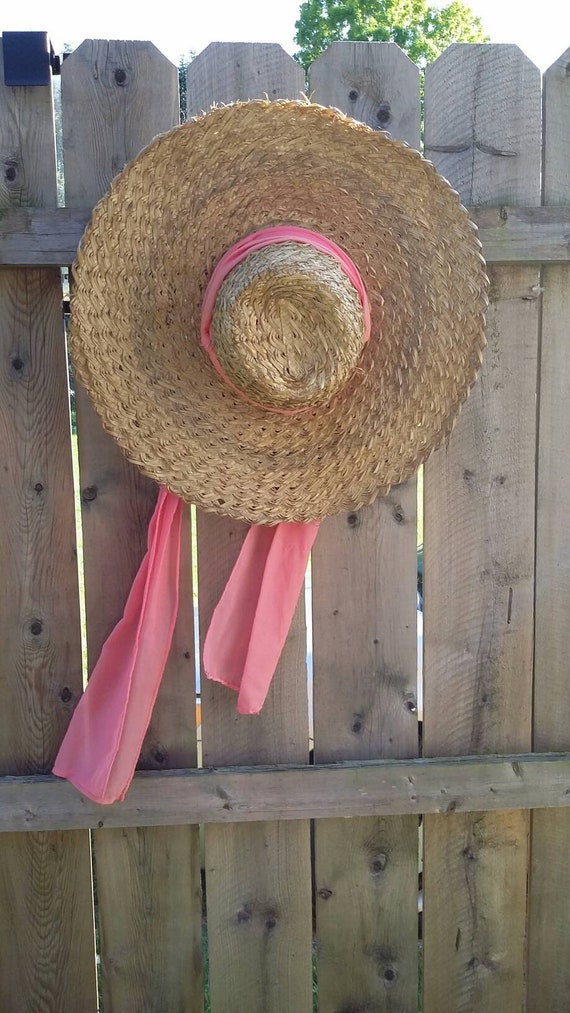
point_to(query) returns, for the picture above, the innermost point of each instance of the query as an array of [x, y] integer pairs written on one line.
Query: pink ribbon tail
[[251, 622], [104, 739]]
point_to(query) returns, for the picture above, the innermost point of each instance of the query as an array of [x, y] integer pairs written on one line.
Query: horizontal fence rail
[[49, 237], [289, 792]]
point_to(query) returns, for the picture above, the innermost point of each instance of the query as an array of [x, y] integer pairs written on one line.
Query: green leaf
[[423, 32]]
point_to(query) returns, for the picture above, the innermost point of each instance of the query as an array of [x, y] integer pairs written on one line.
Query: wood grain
[[549, 912], [364, 648], [482, 129], [475, 870], [376, 83], [296, 791], [238, 71], [258, 877], [131, 89], [37, 237], [116, 96], [518, 235], [482, 152], [47, 956]]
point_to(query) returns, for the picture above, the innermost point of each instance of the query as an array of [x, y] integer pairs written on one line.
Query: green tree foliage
[[423, 32], [183, 64]]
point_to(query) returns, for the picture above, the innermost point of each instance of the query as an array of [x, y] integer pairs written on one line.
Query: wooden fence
[[299, 915]]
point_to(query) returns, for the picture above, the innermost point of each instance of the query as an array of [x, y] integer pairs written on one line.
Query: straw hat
[[293, 414]]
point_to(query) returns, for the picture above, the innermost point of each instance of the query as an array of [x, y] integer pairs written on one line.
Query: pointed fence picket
[[258, 876], [482, 130], [549, 917], [364, 649], [47, 957], [116, 96]]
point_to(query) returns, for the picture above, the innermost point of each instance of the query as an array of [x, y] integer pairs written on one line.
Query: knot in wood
[[384, 114], [378, 863], [410, 703], [357, 723]]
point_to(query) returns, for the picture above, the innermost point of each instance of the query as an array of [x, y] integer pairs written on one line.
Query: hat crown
[[288, 326]]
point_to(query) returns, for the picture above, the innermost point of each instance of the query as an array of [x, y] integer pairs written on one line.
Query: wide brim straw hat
[[313, 398]]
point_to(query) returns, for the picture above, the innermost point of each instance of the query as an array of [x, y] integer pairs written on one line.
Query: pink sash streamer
[[249, 626], [251, 622], [104, 739]]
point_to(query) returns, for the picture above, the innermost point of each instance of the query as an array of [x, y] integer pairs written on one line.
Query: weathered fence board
[[482, 128], [549, 916], [238, 71], [364, 649], [258, 877], [46, 929], [115, 98], [518, 235], [375, 83], [293, 792], [39, 237]]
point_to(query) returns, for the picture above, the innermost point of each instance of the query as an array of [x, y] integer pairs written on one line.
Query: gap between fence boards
[[288, 792], [49, 237]]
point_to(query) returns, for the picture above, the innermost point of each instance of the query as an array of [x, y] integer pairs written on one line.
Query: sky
[[541, 29]]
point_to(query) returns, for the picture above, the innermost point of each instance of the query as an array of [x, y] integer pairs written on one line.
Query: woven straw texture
[[288, 326], [143, 267]]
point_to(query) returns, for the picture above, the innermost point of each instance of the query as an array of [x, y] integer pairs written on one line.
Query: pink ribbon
[[248, 628], [104, 739], [250, 624]]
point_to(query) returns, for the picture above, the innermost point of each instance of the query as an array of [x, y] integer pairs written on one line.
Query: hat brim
[[144, 264]]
